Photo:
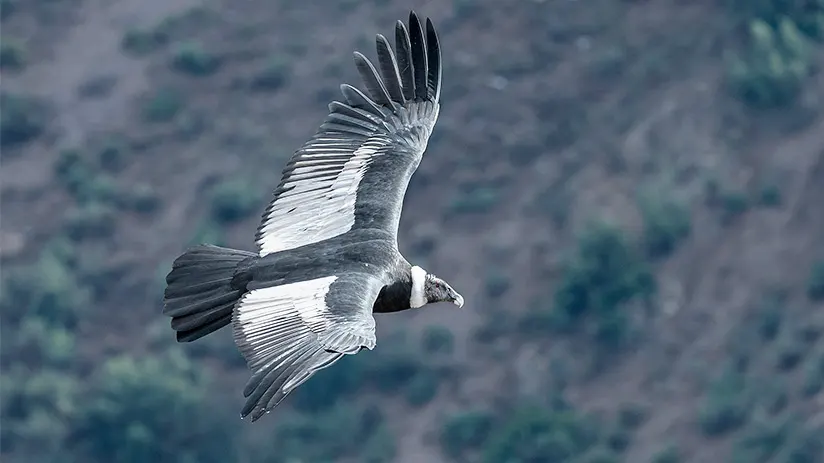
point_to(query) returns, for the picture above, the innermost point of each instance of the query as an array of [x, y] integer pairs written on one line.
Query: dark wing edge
[[288, 333], [412, 73]]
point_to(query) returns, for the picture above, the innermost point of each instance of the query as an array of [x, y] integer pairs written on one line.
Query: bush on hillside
[[815, 282], [342, 431], [273, 76], [192, 59], [770, 72], [112, 156], [668, 454], [47, 289], [727, 406], [808, 15], [38, 408], [666, 224], [140, 42], [599, 280], [326, 387], [163, 106], [437, 339], [464, 432], [151, 409], [235, 200], [94, 220], [540, 434], [22, 119], [12, 55]]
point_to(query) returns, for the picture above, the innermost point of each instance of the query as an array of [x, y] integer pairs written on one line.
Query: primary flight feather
[[328, 253]]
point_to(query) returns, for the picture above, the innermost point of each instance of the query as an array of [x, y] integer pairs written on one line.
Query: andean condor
[[328, 240]]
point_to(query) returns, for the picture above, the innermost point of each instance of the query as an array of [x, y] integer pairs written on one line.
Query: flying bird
[[328, 251]]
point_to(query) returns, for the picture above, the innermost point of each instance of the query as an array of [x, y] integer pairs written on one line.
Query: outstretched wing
[[354, 171], [286, 333]]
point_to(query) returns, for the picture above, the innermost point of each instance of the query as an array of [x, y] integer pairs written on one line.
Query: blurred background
[[627, 193]]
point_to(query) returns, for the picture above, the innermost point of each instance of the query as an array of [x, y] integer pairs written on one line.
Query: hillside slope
[[627, 194]]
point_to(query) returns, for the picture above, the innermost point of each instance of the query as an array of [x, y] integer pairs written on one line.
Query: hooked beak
[[458, 300]]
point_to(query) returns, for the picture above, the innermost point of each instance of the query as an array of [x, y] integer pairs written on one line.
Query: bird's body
[[328, 255]]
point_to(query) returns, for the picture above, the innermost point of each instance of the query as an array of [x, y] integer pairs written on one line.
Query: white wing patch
[[267, 318], [322, 203], [286, 333]]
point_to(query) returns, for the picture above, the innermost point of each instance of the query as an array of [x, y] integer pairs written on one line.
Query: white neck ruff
[[417, 297]]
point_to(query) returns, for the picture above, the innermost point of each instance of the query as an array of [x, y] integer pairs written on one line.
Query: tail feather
[[202, 289]]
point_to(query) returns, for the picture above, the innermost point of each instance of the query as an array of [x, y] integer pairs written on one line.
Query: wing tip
[[417, 48]]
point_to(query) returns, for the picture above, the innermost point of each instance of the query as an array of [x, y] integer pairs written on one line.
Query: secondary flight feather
[[328, 254]]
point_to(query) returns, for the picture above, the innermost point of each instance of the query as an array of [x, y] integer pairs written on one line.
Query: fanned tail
[[202, 289]]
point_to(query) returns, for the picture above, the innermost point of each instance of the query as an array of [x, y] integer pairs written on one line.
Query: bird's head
[[427, 289]]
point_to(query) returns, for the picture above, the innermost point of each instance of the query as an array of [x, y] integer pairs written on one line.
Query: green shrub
[[772, 69], [328, 386], [12, 55], [71, 170], [733, 204], [83, 181], [273, 76], [631, 416], [112, 156], [47, 289], [163, 106], [804, 446], [393, 371], [497, 284], [7, 7], [761, 441], [151, 409], [22, 119], [43, 342], [554, 202], [771, 395], [190, 58], [140, 42], [601, 455], [815, 282], [465, 431], [142, 198], [814, 376], [38, 407], [790, 354], [807, 15], [539, 318], [477, 199], [666, 223], [91, 221], [208, 232], [668, 454], [100, 189], [726, 407], [496, 323], [235, 200], [334, 434], [380, 447], [770, 318], [437, 340], [769, 195], [604, 274], [538, 434], [618, 440], [422, 388]]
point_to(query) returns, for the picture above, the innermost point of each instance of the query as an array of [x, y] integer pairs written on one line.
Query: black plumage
[[328, 239]]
